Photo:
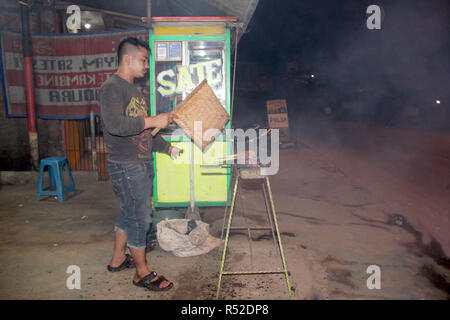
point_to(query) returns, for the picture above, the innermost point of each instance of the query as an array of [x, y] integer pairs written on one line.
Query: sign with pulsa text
[[278, 117], [68, 71]]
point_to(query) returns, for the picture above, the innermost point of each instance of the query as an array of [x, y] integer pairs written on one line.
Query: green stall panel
[[172, 181], [172, 176]]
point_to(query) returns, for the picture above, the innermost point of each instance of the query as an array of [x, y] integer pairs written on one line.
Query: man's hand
[[162, 120], [174, 152]]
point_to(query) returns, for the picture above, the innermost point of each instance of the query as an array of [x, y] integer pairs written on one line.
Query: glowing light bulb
[[438, 101], [87, 25]]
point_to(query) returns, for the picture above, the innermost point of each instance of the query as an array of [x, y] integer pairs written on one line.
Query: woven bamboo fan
[[203, 106]]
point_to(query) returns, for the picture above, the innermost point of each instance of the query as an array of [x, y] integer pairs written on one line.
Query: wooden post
[[149, 14], [29, 87]]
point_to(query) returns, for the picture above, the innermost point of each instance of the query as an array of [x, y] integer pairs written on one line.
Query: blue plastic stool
[[55, 174]]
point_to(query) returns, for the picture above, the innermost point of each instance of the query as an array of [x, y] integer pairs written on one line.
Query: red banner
[[68, 72]]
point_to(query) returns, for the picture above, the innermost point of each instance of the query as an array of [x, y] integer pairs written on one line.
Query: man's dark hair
[[129, 44]]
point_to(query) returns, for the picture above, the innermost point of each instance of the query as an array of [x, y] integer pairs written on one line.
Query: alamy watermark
[[74, 20], [251, 147], [374, 20], [74, 280], [374, 281]]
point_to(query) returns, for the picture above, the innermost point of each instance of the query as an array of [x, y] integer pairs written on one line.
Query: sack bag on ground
[[185, 237]]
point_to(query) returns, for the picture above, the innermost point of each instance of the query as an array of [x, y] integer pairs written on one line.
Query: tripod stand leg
[[226, 237], [283, 260]]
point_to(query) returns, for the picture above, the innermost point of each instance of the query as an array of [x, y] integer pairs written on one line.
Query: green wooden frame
[[152, 39]]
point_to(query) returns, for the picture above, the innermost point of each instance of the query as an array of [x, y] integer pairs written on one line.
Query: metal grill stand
[[253, 173]]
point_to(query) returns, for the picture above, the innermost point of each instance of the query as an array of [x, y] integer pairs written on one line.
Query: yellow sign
[[278, 118]]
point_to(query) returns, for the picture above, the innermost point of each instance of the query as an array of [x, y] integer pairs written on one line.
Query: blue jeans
[[133, 184]]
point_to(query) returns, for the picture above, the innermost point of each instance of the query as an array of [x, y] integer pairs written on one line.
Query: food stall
[[186, 51]]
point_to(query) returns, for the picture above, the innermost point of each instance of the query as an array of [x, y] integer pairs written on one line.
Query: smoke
[[405, 64], [371, 76]]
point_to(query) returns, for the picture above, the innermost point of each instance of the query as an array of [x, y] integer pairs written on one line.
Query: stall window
[[176, 76]]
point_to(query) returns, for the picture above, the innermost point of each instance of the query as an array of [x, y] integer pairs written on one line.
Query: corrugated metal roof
[[241, 9]]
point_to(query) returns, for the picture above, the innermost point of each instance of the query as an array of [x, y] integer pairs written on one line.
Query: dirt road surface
[[347, 197]]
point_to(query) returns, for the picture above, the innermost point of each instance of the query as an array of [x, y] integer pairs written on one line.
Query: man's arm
[[162, 120], [116, 123], [160, 145]]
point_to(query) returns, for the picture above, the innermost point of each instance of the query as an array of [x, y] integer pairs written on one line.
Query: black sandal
[[146, 282], [126, 264]]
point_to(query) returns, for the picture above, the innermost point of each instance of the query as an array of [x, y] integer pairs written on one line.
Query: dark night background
[[363, 179], [403, 65]]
